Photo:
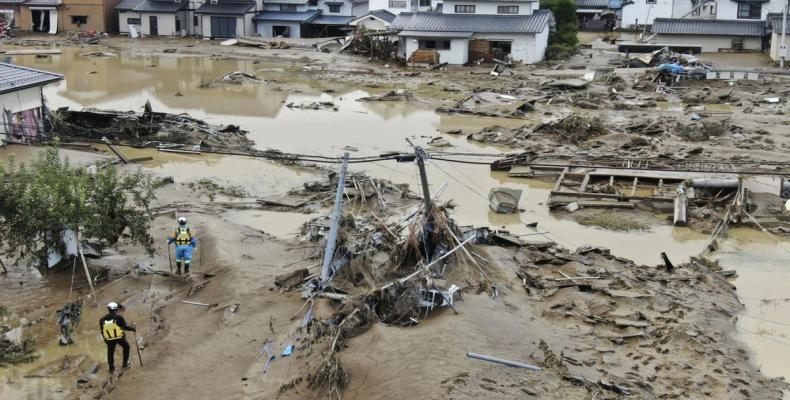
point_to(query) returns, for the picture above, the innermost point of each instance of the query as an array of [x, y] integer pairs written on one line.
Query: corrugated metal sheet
[[126, 5], [444, 35], [716, 27], [225, 7], [14, 77], [437, 22], [160, 6], [285, 16], [332, 20], [775, 23], [592, 3]]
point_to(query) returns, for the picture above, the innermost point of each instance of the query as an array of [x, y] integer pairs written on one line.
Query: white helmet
[[182, 220], [112, 306]]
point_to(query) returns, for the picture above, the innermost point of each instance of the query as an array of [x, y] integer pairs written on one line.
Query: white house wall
[[432, 7], [524, 8], [710, 44], [276, 7], [385, 5], [639, 12], [359, 9], [541, 43], [682, 9], [244, 26], [372, 24], [21, 100], [345, 9], [728, 9], [457, 55], [265, 28], [524, 47], [123, 26], [166, 24]]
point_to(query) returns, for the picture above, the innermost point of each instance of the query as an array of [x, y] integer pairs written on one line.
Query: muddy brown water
[[126, 82]]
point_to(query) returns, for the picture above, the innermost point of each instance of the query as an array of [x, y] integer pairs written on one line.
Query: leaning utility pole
[[427, 230], [782, 45], [331, 240]]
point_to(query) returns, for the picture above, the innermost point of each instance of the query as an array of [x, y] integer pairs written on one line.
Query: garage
[[223, 27]]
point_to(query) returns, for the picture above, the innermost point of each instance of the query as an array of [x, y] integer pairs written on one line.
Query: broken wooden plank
[[585, 181]]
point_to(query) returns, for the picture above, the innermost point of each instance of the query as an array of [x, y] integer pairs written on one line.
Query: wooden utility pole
[[427, 230], [331, 240]]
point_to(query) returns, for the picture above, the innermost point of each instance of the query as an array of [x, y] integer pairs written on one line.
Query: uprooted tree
[[47, 197], [563, 40]]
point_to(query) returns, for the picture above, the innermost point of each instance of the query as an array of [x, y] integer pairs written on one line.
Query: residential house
[[53, 16], [748, 10], [10, 11], [227, 18], [155, 17], [470, 30], [638, 13], [398, 6], [375, 20], [713, 34], [304, 18], [598, 15], [21, 102]]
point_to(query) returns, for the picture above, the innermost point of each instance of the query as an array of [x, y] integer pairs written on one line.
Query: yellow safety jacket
[[111, 331], [183, 235]]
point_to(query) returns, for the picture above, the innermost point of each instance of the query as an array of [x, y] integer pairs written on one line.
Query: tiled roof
[[719, 27], [14, 77], [161, 6], [436, 22], [128, 4], [443, 35], [45, 3], [12, 1], [775, 22], [332, 20], [297, 2], [225, 7], [592, 3], [383, 15], [286, 16]]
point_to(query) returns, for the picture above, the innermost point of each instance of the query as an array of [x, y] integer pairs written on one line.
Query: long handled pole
[[136, 344], [169, 258]]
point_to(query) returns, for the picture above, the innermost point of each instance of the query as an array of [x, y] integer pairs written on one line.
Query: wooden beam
[[558, 184], [585, 181], [633, 187]]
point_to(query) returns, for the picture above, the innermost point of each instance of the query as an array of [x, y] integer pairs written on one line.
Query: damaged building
[[22, 102]]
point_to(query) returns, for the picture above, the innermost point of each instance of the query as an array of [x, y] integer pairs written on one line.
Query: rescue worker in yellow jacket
[[113, 329], [185, 241]]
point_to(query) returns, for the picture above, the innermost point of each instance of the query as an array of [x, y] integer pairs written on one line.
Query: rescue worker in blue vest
[[113, 329], [185, 243]]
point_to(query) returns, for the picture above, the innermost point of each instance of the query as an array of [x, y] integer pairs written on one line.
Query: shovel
[[137, 344], [169, 259]]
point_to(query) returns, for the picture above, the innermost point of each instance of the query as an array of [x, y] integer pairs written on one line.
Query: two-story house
[[638, 13], [53, 16], [471, 30], [305, 18]]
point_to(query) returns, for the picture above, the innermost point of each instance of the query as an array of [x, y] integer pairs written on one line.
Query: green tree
[[563, 41], [40, 200]]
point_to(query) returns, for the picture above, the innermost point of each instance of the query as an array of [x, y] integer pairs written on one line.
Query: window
[[312, 3], [435, 44], [425, 3], [178, 25], [507, 10], [195, 20], [650, 1], [287, 7], [465, 9], [398, 3], [334, 8], [79, 19], [134, 21], [281, 31], [749, 10]]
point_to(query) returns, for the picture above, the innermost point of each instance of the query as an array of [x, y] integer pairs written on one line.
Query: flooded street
[[177, 85]]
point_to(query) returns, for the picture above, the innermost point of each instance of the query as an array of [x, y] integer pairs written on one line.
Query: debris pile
[[375, 45], [574, 128]]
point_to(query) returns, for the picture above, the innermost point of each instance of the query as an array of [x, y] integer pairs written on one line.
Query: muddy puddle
[[173, 84]]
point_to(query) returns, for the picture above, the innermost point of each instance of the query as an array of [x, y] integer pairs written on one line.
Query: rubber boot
[[186, 268], [178, 268]]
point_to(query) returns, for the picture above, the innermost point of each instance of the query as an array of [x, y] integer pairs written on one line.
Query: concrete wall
[[458, 53], [359, 9], [710, 44], [728, 9], [123, 26], [776, 40], [525, 47], [265, 28], [640, 12], [524, 8], [166, 24]]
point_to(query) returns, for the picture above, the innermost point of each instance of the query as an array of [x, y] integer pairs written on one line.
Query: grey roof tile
[[297, 2], [332, 20], [718, 27], [592, 3], [286, 16], [12, 1], [161, 6], [14, 77], [225, 7], [383, 15], [126, 5], [443, 35], [43, 3], [437, 22]]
